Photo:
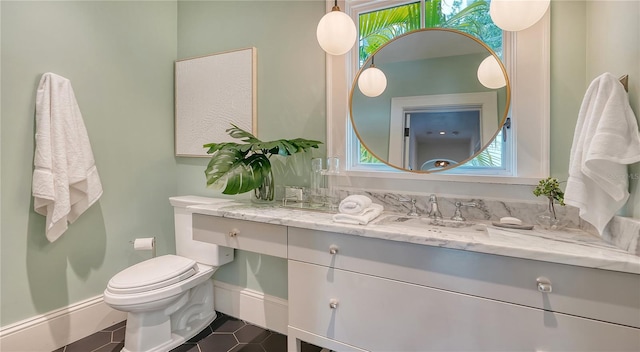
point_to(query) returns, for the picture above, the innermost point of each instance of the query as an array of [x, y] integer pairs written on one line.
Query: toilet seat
[[141, 300], [152, 274]]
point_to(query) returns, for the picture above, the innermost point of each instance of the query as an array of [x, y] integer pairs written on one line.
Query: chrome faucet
[[457, 214], [414, 209], [434, 210]]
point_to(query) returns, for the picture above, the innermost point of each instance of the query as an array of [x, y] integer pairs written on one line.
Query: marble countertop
[[571, 246]]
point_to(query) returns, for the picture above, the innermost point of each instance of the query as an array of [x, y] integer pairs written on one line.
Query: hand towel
[[354, 204], [362, 218], [65, 177], [606, 140]]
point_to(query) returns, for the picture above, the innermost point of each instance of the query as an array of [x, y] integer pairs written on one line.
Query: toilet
[[169, 299]]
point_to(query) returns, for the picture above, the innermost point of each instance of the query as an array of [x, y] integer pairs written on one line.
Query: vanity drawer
[[379, 314], [241, 234], [593, 293]]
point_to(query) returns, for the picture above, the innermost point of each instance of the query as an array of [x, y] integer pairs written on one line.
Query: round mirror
[[435, 112]]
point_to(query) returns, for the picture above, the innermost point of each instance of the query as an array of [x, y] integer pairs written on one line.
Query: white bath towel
[[606, 140], [65, 178], [362, 218], [354, 204]]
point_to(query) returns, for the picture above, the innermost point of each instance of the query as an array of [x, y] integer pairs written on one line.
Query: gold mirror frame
[[366, 65]]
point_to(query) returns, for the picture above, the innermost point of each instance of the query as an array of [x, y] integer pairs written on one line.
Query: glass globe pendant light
[[336, 32], [372, 81], [517, 15], [490, 73]]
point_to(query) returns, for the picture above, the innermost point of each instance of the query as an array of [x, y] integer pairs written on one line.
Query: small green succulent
[[550, 188]]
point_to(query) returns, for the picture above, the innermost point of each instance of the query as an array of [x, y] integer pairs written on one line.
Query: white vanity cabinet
[[354, 293]]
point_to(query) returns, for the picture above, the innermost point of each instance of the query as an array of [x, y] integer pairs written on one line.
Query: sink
[[422, 222], [401, 220], [450, 223]]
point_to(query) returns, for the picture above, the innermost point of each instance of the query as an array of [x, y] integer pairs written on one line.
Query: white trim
[[260, 309], [50, 331], [530, 97], [58, 328]]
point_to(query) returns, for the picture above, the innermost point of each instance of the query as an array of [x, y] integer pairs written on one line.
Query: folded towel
[[606, 140], [65, 178], [354, 204], [361, 218]]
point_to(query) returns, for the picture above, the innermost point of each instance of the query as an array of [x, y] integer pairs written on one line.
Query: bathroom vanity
[[389, 286]]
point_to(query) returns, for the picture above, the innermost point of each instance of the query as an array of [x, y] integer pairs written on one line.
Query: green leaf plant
[[242, 167], [550, 188]]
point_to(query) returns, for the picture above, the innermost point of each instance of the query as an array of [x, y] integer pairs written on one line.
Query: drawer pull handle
[[544, 284], [333, 249], [333, 304], [233, 233]]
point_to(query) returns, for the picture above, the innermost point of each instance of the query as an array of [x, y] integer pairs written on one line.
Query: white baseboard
[[267, 311], [50, 331]]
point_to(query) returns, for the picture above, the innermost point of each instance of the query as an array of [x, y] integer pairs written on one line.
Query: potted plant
[[243, 167], [550, 188]]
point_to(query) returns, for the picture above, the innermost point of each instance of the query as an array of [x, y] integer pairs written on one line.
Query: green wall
[[291, 66], [568, 67], [620, 20], [291, 97], [119, 57], [582, 48]]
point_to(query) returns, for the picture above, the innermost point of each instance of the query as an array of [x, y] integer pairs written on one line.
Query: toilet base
[[179, 337], [163, 329]]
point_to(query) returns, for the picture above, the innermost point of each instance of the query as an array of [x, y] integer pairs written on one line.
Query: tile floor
[[225, 334]]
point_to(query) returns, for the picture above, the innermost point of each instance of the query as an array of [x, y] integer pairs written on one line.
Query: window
[[379, 25], [526, 57]]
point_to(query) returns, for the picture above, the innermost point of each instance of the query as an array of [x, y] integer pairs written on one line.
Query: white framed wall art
[[211, 93]]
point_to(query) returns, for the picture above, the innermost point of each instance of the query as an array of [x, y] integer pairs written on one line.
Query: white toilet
[[169, 299]]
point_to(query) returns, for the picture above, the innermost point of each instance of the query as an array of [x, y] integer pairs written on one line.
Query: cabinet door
[[591, 293], [379, 314]]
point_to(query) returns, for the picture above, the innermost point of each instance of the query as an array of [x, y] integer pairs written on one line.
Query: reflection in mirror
[[440, 126], [434, 114]]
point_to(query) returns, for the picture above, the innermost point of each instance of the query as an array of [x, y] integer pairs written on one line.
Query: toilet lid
[[153, 274]]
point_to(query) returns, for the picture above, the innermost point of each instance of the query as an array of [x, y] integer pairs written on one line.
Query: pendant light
[[372, 81], [490, 73], [517, 15], [336, 32]]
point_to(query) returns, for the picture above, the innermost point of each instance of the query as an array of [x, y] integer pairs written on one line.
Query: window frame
[[527, 60]]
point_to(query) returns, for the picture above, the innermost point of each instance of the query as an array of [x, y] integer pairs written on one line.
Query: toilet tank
[[201, 252]]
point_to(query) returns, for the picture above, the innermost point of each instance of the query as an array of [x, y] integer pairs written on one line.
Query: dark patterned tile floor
[[225, 334]]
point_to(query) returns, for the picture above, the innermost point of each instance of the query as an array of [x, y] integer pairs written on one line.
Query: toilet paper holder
[[144, 244]]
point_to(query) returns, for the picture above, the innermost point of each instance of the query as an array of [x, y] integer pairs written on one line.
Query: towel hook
[[625, 82]]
